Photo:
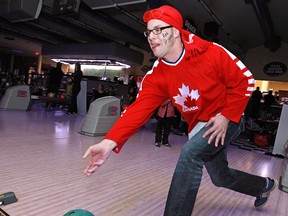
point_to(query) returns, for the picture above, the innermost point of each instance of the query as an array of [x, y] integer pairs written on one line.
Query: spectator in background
[[165, 117], [132, 83], [77, 77], [132, 90], [55, 78], [276, 95], [54, 83], [255, 101], [69, 88], [269, 99]]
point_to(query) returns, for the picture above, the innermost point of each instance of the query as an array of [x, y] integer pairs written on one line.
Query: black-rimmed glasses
[[156, 31]]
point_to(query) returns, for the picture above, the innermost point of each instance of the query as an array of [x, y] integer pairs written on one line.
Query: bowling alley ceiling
[[238, 25]]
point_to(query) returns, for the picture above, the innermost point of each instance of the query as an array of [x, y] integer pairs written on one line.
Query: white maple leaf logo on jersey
[[187, 99]]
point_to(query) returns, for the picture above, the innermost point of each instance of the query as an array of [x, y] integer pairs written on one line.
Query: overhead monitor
[[63, 7]]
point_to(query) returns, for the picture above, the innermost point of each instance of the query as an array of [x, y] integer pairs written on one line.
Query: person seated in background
[[111, 91], [99, 92], [132, 95]]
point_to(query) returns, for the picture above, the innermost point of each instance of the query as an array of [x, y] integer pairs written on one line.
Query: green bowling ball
[[79, 212]]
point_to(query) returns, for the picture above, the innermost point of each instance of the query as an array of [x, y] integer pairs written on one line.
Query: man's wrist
[[111, 143]]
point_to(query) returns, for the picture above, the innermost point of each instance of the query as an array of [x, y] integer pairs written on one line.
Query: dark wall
[[4, 63], [20, 62], [23, 63]]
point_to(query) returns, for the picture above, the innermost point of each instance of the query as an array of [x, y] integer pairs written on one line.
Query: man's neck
[[175, 53]]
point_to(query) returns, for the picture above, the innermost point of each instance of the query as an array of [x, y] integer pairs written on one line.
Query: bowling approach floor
[[41, 162]]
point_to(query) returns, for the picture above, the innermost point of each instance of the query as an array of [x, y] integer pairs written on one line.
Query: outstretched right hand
[[99, 153]]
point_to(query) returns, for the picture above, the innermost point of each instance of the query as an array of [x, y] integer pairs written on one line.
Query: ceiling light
[[100, 62]]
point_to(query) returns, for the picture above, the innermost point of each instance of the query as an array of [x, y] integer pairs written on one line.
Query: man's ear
[[176, 32]]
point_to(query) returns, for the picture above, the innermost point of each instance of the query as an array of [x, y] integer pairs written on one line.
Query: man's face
[[162, 43]]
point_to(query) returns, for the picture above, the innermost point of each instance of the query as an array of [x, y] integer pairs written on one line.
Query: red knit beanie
[[167, 14], [193, 44]]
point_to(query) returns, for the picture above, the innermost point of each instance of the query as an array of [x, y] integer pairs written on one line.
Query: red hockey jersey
[[206, 80]]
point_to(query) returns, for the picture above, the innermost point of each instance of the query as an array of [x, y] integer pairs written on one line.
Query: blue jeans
[[197, 153]]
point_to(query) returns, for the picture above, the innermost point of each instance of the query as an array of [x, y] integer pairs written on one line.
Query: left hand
[[99, 154], [218, 130]]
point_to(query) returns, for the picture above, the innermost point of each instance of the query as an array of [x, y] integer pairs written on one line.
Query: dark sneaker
[[262, 199], [167, 145], [157, 145]]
